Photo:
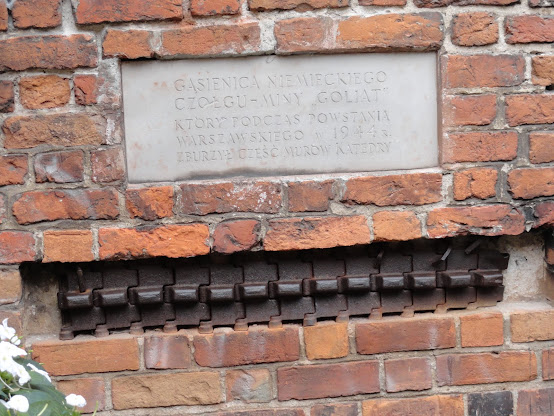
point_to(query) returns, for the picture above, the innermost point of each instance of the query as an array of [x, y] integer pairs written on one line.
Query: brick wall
[[64, 198]]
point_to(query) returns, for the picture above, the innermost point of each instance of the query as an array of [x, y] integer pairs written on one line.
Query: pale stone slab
[[269, 115]]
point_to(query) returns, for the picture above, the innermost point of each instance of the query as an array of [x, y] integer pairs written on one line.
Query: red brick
[[443, 3], [474, 29], [210, 40], [303, 34], [469, 110], [408, 374], [167, 352], [251, 386], [13, 169], [418, 406], [407, 189], [255, 346], [59, 167], [233, 236], [36, 13], [384, 3], [6, 96], [482, 330], [528, 326], [127, 44], [150, 203], [329, 380], [48, 52], [108, 165], [92, 389], [326, 340], [75, 204], [94, 11], [548, 364], [316, 232], [25, 132], [396, 226], [86, 89], [214, 7], [16, 247], [265, 412], [543, 69], [335, 410], [535, 402], [45, 91], [488, 220], [10, 286], [300, 5], [531, 183], [413, 334], [544, 212], [528, 29], [529, 109], [476, 71], [541, 147], [3, 16], [482, 368], [200, 199], [89, 355], [482, 146], [475, 183], [310, 195], [68, 246], [166, 241]]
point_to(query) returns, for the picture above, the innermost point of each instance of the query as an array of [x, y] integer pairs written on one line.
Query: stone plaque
[[279, 115]]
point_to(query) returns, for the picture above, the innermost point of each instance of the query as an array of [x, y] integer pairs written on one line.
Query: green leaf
[[38, 399]]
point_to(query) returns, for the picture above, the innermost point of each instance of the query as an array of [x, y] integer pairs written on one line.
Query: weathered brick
[[408, 189], [405, 335], [13, 169], [303, 34], [257, 345], [335, 410], [127, 44], [209, 40], [482, 146], [166, 241], [531, 183], [59, 167], [543, 69], [396, 226], [86, 89], [93, 11], [239, 235], [17, 247], [6, 96], [328, 380], [482, 368], [479, 220], [14, 319], [214, 7], [541, 147], [476, 71], [265, 412], [469, 110], [167, 352], [25, 132], [326, 340], [90, 355], [548, 364], [474, 29], [3, 16], [68, 246], [251, 386], [36, 13], [529, 29], [482, 330], [384, 3], [418, 406], [150, 203], [92, 389], [499, 403], [48, 52], [408, 374], [475, 183], [300, 5], [108, 165], [316, 232], [529, 109], [528, 326], [544, 213], [200, 388], [310, 195], [75, 204], [538, 402], [10, 286], [225, 197], [443, 3]]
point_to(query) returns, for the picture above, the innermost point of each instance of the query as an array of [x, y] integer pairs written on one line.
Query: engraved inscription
[[279, 115]]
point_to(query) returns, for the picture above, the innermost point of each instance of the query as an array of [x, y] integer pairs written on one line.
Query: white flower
[[75, 400], [8, 334], [7, 353], [39, 371], [18, 403]]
